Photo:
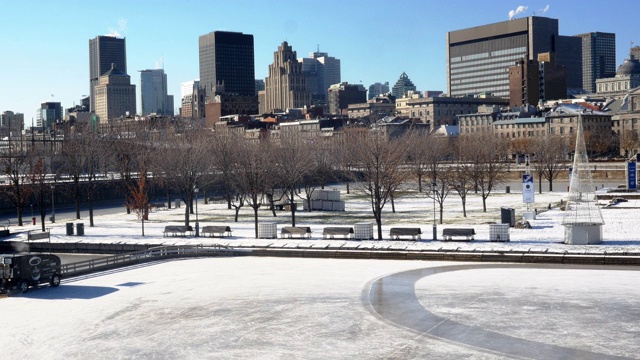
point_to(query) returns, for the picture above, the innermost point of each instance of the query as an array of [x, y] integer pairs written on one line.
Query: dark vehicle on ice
[[19, 271]]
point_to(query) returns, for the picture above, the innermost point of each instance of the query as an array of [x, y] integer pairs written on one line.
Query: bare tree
[[379, 162], [629, 142], [138, 199], [293, 162], [424, 153], [14, 164], [549, 158], [461, 173], [72, 165], [182, 158], [253, 175], [488, 162]]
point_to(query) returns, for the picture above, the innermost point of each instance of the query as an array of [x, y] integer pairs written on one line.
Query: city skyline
[[48, 60]]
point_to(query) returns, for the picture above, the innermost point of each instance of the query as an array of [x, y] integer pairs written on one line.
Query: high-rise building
[[532, 81], [402, 86], [227, 59], [478, 58], [344, 94], [598, 58], [11, 122], [192, 100], [115, 95], [259, 85], [378, 89], [285, 87], [321, 71], [153, 93], [104, 51], [48, 114]]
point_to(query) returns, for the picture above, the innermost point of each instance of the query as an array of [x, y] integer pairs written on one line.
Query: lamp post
[[195, 190], [434, 187], [53, 208]]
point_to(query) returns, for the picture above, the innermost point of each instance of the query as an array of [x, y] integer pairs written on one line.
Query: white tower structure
[[582, 218]]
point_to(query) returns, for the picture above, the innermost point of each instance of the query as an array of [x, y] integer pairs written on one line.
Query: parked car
[[19, 271]]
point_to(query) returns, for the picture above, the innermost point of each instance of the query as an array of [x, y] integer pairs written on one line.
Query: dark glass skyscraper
[[598, 58], [227, 63], [104, 51], [478, 58]]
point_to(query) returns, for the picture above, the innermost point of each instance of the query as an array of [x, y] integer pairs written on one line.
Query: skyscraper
[[286, 86], [321, 71], [227, 59], [478, 58], [598, 58], [378, 89], [153, 92], [115, 96], [403, 85], [103, 52], [49, 113]]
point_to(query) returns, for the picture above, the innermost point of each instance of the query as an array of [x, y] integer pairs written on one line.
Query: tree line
[[276, 167]]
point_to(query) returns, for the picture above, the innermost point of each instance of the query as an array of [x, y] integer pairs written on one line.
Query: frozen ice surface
[[274, 308]]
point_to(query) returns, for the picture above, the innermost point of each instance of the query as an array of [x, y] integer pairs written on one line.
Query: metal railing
[[151, 254]]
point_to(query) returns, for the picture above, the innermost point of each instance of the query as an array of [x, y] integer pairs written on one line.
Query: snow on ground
[[272, 308], [621, 232]]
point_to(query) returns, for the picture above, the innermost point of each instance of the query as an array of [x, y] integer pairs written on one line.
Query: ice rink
[[286, 308]]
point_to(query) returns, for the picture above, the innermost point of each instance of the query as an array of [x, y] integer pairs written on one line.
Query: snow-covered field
[[621, 232]]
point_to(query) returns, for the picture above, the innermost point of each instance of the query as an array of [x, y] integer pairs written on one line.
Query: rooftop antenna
[[318, 46]]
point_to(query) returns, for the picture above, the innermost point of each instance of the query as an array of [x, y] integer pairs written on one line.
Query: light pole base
[[435, 232], [197, 229]]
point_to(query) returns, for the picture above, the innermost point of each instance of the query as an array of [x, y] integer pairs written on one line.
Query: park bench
[[38, 235], [290, 231], [176, 230], [448, 234], [331, 232], [157, 206], [214, 230], [396, 232]]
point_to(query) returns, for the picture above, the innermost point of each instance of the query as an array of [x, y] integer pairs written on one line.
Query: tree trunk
[[143, 226], [90, 198], [255, 220], [393, 205], [293, 208], [186, 214], [19, 214], [464, 206], [77, 198], [539, 184]]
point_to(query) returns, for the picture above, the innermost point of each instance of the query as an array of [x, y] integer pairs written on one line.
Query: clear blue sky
[[45, 47]]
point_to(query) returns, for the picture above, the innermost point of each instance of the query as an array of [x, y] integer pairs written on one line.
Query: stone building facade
[[115, 96], [285, 87]]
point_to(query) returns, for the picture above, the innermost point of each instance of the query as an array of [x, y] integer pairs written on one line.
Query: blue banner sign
[[631, 176]]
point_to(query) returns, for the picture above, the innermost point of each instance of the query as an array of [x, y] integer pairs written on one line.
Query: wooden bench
[[176, 230], [38, 235], [213, 230], [331, 232], [396, 232], [157, 206], [448, 234], [290, 231]]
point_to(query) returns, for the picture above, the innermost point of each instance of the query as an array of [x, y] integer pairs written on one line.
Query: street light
[[434, 188], [53, 207], [195, 190]]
